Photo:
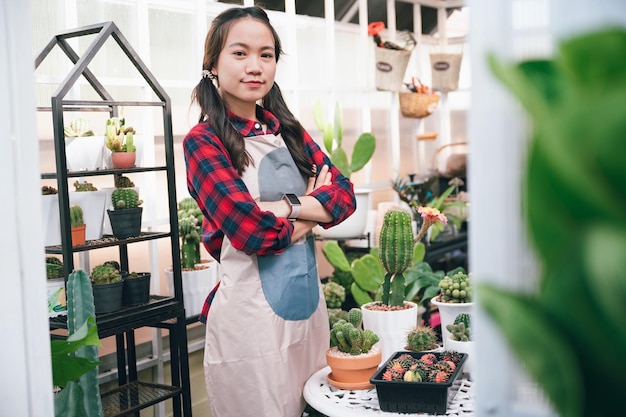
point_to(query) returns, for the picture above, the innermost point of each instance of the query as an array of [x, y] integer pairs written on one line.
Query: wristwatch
[[295, 205]]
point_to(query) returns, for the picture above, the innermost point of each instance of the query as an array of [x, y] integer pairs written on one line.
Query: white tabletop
[[359, 403]]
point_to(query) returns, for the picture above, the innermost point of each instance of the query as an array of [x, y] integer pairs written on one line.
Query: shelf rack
[[168, 312]]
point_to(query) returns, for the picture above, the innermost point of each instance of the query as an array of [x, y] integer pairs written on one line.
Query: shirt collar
[[248, 127]]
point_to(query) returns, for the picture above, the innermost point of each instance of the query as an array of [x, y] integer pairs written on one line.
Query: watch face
[[292, 198]]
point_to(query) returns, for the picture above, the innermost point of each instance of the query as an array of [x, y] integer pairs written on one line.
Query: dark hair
[[213, 108]]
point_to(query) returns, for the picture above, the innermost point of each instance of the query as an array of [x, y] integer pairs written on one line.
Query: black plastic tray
[[417, 397]]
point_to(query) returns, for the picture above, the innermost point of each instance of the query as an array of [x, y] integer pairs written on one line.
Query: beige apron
[[267, 329]]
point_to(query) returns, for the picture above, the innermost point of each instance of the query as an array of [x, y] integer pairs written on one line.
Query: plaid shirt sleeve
[[338, 197], [228, 207]]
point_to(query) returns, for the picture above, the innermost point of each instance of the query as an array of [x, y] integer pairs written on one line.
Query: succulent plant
[[456, 288], [459, 332], [429, 367], [105, 274], [84, 186], [336, 314], [421, 338], [334, 294], [48, 190], [76, 216], [77, 128], [396, 254], [125, 198], [349, 336], [190, 231], [119, 137]]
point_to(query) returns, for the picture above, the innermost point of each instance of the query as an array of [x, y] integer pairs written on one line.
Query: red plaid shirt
[[228, 207]]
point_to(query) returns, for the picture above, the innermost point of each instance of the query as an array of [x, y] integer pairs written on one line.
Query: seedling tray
[[417, 397]]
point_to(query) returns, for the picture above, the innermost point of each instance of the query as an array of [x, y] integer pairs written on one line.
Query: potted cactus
[[455, 297], [120, 141], [126, 214], [92, 201], [421, 338], [77, 225], [460, 338], [353, 357], [392, 317], [107, 287], [199, 276]]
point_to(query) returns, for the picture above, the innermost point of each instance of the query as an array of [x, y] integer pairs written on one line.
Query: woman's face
[[246, 66]]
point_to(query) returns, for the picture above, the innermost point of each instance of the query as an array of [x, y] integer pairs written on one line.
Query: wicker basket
[[418, 105], [390, 68]]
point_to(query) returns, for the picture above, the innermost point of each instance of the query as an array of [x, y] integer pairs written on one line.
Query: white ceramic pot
[[390, 326], [196, 286], [353, 226], [447, 314], [84, 153]]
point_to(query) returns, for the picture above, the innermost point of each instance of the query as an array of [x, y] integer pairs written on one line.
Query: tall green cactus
[[125, 198], [82, 398], [396, 254], [190, 231]]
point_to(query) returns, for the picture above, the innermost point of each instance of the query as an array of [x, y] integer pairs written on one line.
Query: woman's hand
[[323, 177]]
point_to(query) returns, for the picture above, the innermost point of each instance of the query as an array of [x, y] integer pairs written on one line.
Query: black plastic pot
[[107, 298], [126, 223], [136, 290]]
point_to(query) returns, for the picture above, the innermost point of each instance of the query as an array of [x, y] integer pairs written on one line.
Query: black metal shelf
[[161, 311], [107, 241], [114, 171], [135, 396]]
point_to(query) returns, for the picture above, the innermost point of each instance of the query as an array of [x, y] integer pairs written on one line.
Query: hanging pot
[[126, 223]]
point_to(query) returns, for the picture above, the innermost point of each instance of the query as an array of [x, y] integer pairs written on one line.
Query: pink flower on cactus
[[430, 216]]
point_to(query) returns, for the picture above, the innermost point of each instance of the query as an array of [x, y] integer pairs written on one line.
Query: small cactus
[[122, 181], [48, 190], [460, 329], [54, 267], [119, 137], [349, 337], [456, 289], [396, 253], [77, 128], [421, 338], [84, 186], [76, 216], [105, 274], [334, 294], [125, 198]]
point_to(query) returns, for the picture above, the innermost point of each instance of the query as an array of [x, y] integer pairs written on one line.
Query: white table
[[360, 403]]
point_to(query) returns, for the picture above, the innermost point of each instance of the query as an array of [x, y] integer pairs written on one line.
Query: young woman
[[262, 184]]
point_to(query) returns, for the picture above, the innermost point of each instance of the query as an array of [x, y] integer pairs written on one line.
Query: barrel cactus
[[125, 198], [396, 254], [76, 216], [334, 294], [105, 274], [349, 336], [421, 338]]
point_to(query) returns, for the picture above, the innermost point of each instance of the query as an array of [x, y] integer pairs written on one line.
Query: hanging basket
[[445, 71], [390, 68], [418, 105]]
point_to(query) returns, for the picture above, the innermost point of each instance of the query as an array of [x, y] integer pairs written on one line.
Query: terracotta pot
[[123, 159], [78, 235], [352, 372]]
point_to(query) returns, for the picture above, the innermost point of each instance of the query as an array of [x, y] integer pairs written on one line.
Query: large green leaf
[[539, 345], [368, 272], [363, 151], [360, 296], [336, 256], [340, 160]]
